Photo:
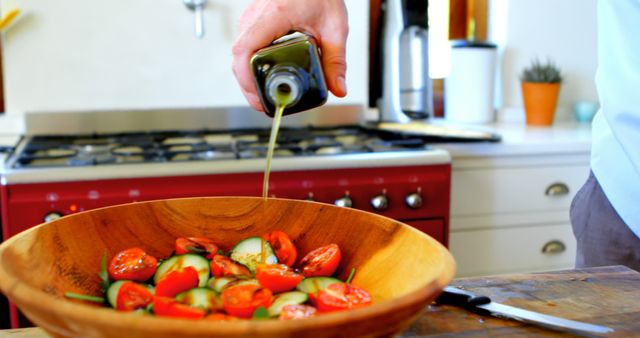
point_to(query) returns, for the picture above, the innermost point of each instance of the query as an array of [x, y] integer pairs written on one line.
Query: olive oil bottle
[[291, 64], [289, 79]]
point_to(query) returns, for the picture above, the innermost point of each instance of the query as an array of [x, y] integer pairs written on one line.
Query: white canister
[[469, 89]]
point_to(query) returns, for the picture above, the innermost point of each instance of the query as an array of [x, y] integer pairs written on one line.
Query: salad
[[259, 278]]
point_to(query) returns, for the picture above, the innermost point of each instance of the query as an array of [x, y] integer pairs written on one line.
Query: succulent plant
[[541, 73]]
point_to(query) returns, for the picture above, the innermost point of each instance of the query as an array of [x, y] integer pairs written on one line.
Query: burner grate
[[158, 147]]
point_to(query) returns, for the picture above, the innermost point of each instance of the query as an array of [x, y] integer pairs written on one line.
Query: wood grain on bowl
[[402, 268]]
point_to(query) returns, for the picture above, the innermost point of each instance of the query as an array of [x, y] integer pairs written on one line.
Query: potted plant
[[540, 89]]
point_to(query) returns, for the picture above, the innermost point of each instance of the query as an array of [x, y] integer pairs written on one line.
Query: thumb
[[334, 64]]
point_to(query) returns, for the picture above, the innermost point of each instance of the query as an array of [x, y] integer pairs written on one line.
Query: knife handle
[[462, 298]]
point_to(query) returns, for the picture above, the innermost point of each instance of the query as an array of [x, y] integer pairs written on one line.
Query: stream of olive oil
[[282, 98]]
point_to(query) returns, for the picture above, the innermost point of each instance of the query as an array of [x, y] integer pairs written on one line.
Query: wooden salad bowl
[[402, 268]]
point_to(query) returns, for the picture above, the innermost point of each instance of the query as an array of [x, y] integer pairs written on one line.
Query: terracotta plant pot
[[540, 101]]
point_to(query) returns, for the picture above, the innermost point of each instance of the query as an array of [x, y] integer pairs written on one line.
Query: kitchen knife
[[483, 305]]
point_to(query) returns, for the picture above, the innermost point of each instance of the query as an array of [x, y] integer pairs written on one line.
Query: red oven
[[392, 175]]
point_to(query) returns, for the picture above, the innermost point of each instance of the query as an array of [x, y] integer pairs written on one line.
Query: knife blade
[[483, 305]]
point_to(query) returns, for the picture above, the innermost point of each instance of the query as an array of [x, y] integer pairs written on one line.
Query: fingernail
[[342, 84]]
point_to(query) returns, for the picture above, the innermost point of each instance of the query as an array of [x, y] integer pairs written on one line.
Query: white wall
[[120, 54], [564, 31]]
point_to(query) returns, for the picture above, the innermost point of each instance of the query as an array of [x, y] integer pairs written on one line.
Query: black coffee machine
[[400, 86]]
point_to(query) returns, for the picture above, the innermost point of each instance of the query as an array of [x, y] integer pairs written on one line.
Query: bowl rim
[[78, 312]]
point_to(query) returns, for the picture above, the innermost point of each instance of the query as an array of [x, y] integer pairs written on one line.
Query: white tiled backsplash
[[121, 54]]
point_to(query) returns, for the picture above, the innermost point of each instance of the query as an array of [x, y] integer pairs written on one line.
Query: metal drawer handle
[[553, 247], [557, 189]]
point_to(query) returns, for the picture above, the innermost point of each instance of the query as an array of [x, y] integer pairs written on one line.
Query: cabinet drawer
[[507, 250], [509, 190]]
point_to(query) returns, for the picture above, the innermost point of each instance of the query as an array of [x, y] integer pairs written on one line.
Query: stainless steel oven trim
[[432, 156]]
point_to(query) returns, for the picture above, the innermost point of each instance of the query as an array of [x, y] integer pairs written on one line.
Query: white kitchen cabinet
[[510, 200]]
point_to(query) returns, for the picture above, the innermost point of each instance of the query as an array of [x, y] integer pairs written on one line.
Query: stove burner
[[86, 150], [260, 150]]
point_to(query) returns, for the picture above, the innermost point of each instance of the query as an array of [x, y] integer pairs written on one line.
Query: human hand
[[267, 20]]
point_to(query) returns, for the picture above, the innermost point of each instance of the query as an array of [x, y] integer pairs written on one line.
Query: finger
[[335, 68], [250, 94], [334, 63]]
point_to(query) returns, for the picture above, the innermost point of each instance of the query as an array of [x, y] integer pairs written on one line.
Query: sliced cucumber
[[203, 298], [114, 289], [241, 281], [179, 262], [315, 284], [249, 252], [218, 284], [221, 283], [284, 299], [112, 292]]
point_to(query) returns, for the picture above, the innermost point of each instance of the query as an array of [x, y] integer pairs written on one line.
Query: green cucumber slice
[[203, 298], [315, 284], [179, 262], [219, 283], [112, 292], [284, 299], [248, 252]]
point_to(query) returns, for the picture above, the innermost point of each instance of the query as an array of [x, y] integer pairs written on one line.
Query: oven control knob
[[344, 201], [413, 200], [380, 202], [52, 216]]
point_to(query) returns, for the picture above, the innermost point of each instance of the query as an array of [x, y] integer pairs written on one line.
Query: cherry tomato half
[[277, 277], [322, 261], [132, 264], [283, 247], [177, 281], [341, 296], [169, 307], [243, 300], [197, 245], [295, 311], [222, 266], [133, 296]]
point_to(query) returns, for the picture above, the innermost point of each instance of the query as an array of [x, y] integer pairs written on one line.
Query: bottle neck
[[284, 87]]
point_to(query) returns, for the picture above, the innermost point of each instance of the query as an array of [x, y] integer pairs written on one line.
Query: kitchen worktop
[[605, 296], [520, 139]]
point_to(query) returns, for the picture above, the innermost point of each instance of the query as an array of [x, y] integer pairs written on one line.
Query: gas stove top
[[206, 145]]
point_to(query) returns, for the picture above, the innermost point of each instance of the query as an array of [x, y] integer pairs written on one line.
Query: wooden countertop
[[607, 296]]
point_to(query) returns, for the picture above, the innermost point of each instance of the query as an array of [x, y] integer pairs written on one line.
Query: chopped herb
[[88, 298], [260, 313], [104, 275], [351, 274]]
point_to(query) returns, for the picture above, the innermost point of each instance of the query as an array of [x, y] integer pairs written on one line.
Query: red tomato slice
[[177, 281], [277, 277], [295, 311], [222, 266], [133, 296], [243, 300], [132, 264], [169, 307], [341, 296], [197, 245], [322, 261], [283, 247]]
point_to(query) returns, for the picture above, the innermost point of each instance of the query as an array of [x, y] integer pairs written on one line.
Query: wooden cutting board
[[606, 296]]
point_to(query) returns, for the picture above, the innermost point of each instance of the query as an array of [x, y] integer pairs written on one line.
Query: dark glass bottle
[[290, 65]]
